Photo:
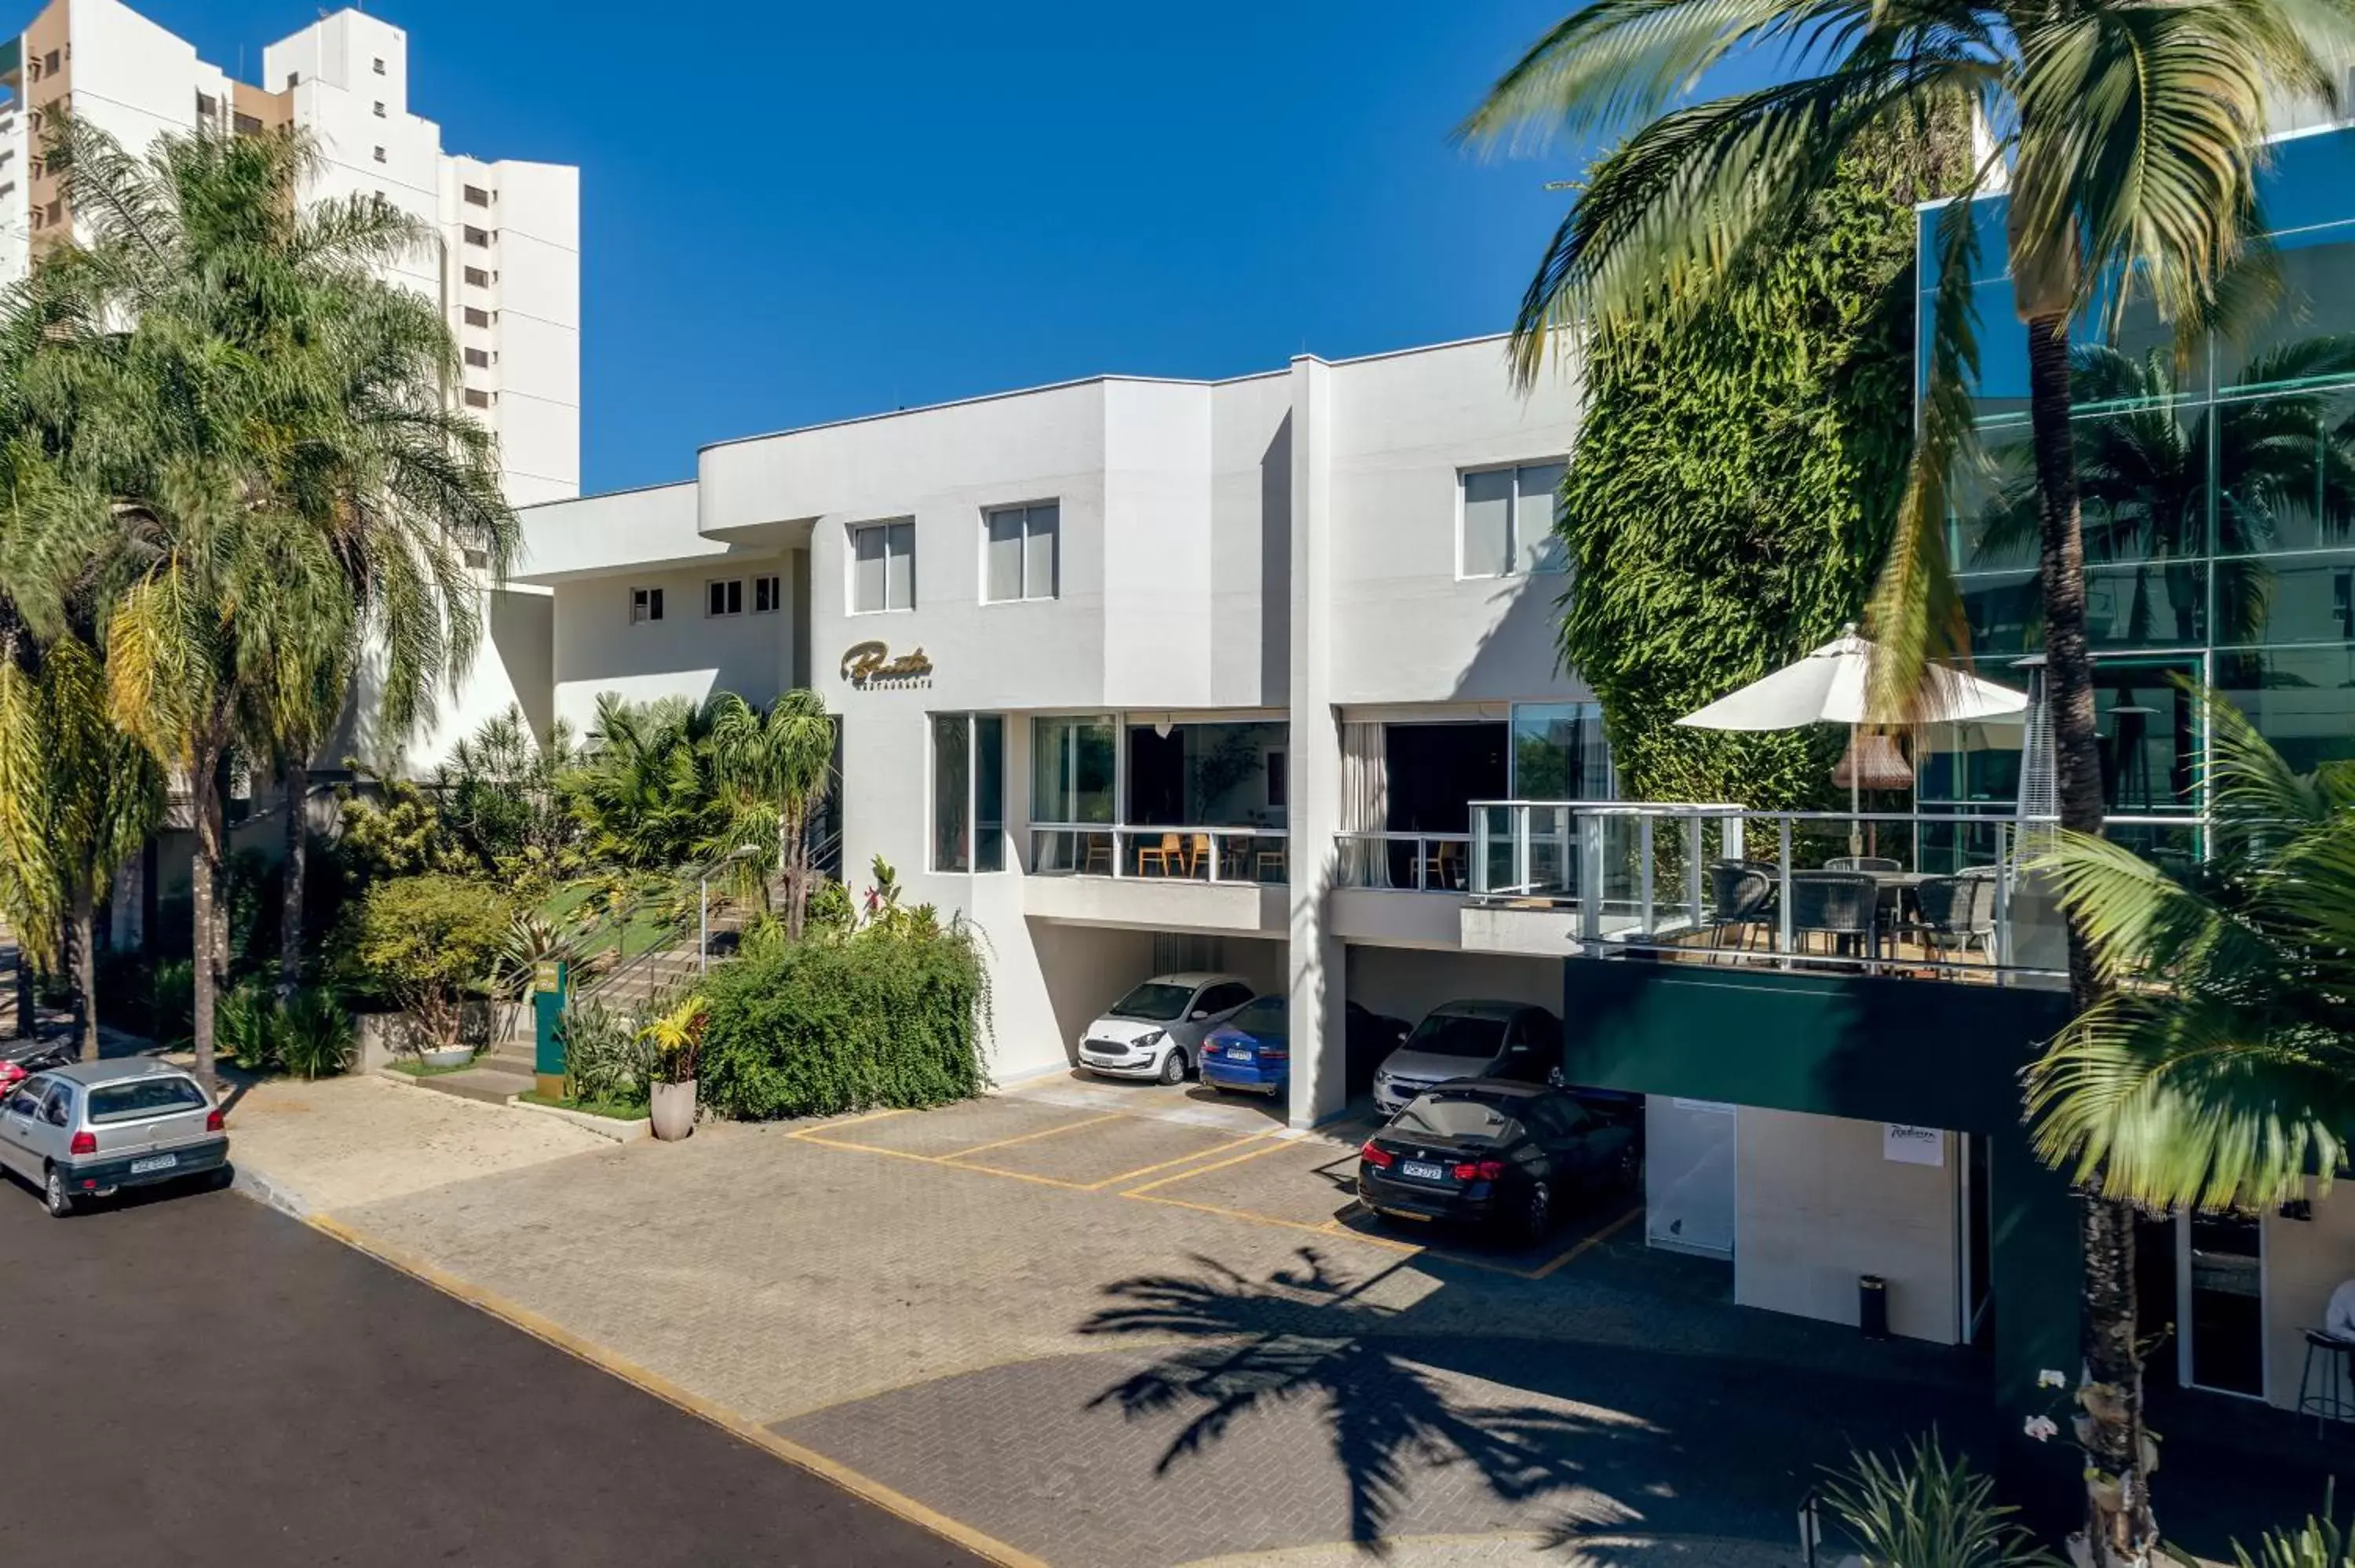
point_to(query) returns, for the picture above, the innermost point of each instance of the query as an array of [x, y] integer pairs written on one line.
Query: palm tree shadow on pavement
[[1309, 1335]]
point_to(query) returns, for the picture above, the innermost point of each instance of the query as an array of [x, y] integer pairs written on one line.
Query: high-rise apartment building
[[506, 273], [509, 271]]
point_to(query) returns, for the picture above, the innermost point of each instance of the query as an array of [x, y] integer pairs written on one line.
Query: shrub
[[605, 1060], [886, 1017], [172, 1004], [315, 1038], [1925, 1511], [244, 1027], [831, 907], [426, 943]]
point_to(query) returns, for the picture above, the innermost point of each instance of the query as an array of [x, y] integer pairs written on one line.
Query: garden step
[[486, 1084]]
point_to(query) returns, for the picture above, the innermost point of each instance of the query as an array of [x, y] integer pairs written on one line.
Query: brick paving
[[1000, 1337]]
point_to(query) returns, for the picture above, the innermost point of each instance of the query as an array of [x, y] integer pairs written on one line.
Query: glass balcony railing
[[1935, 895], [1253, 854]]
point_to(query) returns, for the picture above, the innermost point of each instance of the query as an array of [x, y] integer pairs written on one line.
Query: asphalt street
[[197, 1379]]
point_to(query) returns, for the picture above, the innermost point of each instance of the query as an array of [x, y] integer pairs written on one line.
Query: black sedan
[[1502, 1155]]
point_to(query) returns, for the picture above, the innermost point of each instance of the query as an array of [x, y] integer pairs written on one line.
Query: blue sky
[[794, 213]]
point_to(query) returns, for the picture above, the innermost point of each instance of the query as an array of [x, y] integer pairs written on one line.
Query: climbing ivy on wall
[[1732, 488]]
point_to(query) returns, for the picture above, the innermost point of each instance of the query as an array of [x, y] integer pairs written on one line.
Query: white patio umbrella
[[1829, 686]]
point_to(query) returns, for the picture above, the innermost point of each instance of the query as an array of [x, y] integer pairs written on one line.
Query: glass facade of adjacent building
[[2218, 512]]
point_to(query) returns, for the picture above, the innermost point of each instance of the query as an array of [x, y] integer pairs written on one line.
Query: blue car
[[1251, 1053], [1250, 1050]]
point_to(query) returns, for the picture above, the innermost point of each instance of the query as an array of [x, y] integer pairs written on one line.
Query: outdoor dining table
[[1890, 911]]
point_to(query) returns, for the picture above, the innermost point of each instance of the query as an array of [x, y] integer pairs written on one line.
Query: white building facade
[[1064, 625], [505, 273]]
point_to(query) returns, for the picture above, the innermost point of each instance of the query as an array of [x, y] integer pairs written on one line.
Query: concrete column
[[1319, 1079]]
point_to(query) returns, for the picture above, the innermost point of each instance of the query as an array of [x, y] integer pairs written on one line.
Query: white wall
[[686, 653], [1817, 1205], [130, 78], [2305, 1261], [1404, 426]]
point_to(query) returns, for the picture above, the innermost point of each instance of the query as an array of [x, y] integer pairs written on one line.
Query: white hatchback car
[[1155, 1031]]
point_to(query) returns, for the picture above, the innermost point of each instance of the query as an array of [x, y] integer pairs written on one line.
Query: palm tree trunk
[[295, 780], [85, 971], [2120, 1529], [204, 888], [796, 871], [26, 1024]]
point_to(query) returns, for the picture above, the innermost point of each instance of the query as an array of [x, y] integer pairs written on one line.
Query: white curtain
[[1364, 804]]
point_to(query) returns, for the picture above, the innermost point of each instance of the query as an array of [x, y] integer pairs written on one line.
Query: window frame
[[974, 822], [1515, 553], [727, 590], [850, 535], [1054, 545], [772, 584], [645, 604]]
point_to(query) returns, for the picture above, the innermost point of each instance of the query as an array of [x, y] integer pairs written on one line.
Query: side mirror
[[1200, 1013], [1554, 1080]]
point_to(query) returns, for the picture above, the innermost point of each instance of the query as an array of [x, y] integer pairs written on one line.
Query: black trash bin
[[1872, 1306]]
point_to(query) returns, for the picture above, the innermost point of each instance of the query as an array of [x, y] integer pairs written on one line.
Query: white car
[[1155, 1031]]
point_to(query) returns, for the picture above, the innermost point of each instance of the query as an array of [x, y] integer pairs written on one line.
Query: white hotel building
[[1177, 639]]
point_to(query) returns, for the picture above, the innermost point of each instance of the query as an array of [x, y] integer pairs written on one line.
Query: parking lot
[[1188, 1147]]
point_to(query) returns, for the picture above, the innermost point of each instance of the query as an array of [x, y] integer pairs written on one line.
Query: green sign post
[[551, 982]]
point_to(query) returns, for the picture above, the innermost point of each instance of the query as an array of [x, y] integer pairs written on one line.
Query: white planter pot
[[450, 1056], [674, 1110]]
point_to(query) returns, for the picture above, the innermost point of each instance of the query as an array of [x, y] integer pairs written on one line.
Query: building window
[[1509, 521], [245, 124], [378, 65], [478, 558], [477, 278], [207, 106], [479, 358], [38, 165], [476, 236], [379, 110], [477, 318], [766, 595], [645, 604], [477, 196], [380, 155], [1279, 782], [968, 792], [51, 64], [477, 398], [724, 598], [1020, 545], [883, 565], [294, 79]]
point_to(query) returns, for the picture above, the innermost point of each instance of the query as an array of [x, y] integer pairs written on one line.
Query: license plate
[[1422, 1172], [153, 1162], [1239, 1053]]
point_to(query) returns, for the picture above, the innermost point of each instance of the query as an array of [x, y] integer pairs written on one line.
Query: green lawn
[[417, 1069], [617, 1110], [642, 930]]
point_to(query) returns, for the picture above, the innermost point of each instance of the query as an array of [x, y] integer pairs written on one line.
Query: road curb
[[955, 1532], [259, 1186]]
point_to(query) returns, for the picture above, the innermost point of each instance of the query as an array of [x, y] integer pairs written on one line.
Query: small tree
[[773, 769], [426, 943]]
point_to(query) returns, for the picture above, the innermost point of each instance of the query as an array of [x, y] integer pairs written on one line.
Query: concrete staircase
[[499, 1074]]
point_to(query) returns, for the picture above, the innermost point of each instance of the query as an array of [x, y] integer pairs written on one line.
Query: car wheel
[[1537, 1212], [54, 1196], [1173, 1066]]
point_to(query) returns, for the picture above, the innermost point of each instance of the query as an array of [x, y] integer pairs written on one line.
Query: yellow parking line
[[1246, 1215], [1042, 1132], [1181, 1160], [954, 1531], [810, 1133], [1591, 1242], [943, 1161], [1206, 1169]]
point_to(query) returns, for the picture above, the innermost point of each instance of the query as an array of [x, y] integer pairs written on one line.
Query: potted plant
[[677, 1039]]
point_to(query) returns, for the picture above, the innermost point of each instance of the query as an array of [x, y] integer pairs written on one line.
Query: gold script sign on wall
[[867, 666]]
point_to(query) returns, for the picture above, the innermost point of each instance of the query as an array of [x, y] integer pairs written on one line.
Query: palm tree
[[2220, 1067], [645, 794], [246, 458], [774, 765], [2126, 134], [78, 797]]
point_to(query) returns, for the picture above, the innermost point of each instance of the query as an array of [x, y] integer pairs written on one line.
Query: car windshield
[[1263, 1017], [1454, 1034], [144, 1096], [1458, 1116], [1154, 1001]]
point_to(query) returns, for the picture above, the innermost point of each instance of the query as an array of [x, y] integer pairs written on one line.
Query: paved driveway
[[1106, 1325]]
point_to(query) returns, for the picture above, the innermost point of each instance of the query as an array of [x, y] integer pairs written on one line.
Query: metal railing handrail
[[1406, 837], [1237, 828], [1219, 837]]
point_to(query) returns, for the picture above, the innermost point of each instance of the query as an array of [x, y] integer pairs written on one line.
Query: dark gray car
[[90, 1128]]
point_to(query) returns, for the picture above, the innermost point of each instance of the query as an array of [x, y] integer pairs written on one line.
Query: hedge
[[881, 1019], [1734, 487]]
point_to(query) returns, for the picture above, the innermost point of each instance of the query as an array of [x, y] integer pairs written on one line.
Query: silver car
[[90, 1128]]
